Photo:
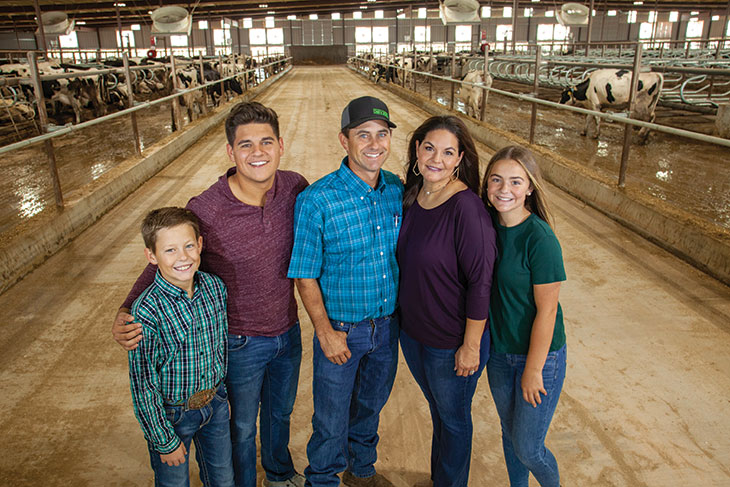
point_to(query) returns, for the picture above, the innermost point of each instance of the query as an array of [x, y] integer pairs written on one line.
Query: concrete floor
[[645, 401]]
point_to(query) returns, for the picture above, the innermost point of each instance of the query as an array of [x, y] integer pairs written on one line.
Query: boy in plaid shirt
[[176, 374]]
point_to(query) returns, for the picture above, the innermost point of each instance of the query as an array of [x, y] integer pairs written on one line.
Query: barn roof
[[20, 14]]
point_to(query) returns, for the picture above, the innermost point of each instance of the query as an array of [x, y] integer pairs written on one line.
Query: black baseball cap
[[365, 108]]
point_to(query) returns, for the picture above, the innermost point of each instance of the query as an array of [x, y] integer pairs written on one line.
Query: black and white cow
[[610, 88]]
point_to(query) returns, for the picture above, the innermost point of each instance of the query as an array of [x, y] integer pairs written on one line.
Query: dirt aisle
[[644, 403]]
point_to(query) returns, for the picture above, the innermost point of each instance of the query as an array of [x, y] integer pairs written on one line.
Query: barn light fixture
[[263, 5], [136, 27], [715, 18], [271, 12], [81, 22], [291, 17], [694, 13], [639, 3], [611, 13], [363, 7], [120, 4]]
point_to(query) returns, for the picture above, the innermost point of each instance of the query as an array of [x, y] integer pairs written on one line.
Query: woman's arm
[[546, 302], [467, 356]]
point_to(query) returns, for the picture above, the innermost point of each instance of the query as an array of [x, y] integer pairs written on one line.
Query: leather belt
[[198, 400]]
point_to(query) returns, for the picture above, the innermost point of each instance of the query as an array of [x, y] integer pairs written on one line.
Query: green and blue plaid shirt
[[345, 233], [184, 350]]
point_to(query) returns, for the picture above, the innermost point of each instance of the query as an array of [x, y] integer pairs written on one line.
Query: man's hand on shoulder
[[125, 331]]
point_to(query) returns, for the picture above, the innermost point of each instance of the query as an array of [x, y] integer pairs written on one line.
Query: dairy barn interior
[[94, 132]]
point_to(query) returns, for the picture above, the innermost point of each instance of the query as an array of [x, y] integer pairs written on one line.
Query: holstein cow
[[610, 88], [471, 96]]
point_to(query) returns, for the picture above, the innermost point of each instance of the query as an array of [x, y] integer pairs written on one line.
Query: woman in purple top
[[446, 252]]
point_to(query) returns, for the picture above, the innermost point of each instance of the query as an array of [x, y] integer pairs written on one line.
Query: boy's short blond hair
[[167, 217]]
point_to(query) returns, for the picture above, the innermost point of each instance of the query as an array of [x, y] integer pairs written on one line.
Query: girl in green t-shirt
[[526, 368]]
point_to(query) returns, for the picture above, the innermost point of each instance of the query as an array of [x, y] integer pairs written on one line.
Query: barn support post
[[590, 27], [430, 78], [40, 28], [515, 6], [43, 116], [483, 114], [176, 119], [535, 87], [628, 128], [120, 49], [202, 76], [224, 92], [130, 104], [453, 74], [245, 74], [413, 74], [721, 43]]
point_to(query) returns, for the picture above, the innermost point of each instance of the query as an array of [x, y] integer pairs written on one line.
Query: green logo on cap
[[378, 111]]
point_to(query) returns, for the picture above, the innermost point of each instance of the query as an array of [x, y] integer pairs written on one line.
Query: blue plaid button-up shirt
[[345, 233], [184, 350]]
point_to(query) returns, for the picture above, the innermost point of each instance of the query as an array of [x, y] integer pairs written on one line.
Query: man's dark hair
[[250, 112], [167, 217]]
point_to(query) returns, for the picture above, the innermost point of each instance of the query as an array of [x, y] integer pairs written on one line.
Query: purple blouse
[[446, 257]]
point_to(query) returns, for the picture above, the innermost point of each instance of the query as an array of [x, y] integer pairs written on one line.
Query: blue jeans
[[263, 370], [209, 428], [348, 399], [449, 399], [524, 427]]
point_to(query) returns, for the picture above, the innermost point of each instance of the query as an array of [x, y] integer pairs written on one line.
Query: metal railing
[[47, 137], [367, 66]]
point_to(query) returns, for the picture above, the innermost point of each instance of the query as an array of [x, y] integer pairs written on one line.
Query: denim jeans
[[209, 428], [348, 399], [263, 370], [524, 427], [449, 398]]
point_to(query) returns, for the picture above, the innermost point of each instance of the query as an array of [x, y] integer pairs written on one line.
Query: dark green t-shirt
[[528, 254]]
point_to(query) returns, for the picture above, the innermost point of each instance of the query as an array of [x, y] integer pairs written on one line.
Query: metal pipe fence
[[47, 137], [362, 63]]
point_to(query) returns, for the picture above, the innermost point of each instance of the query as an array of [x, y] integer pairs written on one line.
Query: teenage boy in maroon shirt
[[247, 221]]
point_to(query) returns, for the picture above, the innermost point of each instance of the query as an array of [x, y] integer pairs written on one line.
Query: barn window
[[269, 22], [69, 41], [631, 17], [462, 35], [275, 36], [652, 16], [357, 15], [380, 35], [504, 32], [203, 24], [379, 14], [549, 13], [507, 12], [179, 41], [673, 16], [257, 36], [422, 13], [247, 23], [528, 12], [336, 16], [611, 13], [694, 28], [363, 35], [486, 12], [126, 39], [422, 33]]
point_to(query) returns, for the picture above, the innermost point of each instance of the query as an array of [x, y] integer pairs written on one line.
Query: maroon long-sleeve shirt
[[249, 247]]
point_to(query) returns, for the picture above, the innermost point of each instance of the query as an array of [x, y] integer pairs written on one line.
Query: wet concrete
[[648, 335]]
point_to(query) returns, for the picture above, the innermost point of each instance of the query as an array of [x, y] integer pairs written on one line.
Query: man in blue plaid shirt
[[345, 231]]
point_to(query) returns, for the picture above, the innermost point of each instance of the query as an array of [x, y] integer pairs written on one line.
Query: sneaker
[[296, 480], [376, 480]]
